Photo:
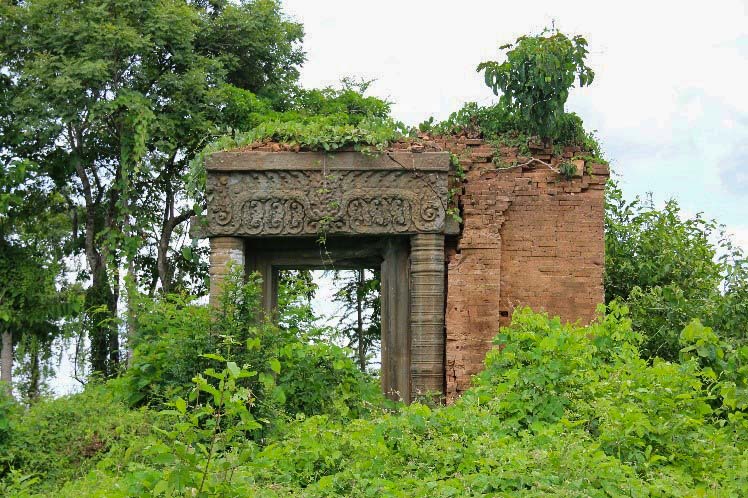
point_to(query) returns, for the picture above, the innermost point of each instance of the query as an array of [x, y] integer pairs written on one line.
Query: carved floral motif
[[308, 202]]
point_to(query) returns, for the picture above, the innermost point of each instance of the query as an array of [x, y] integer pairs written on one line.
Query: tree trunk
[[34, 371], [113, 329], [165, 272], [99, 296], [360, 318], [100, 293], [6, 360]]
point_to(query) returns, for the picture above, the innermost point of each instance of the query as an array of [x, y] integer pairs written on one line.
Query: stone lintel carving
[[284, 193]]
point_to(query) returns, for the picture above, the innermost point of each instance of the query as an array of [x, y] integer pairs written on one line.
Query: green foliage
[[31, 307], [200, 449], [174, 337], [648, 247], [33, 240], [107, 101], [348, 105], [369, 135], [504, 128], [18, 485], [474, 120], [244, 111], [171, 334], [8, 409], [669, 270], [567, 169], [535, 79], [102, 99], [359, 299], [561, 410], [296, 289], [28, 298], [326, 119], [60, 439]]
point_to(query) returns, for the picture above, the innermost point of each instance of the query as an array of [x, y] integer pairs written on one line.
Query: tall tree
[[113, 98], [669, 268], [360, 322], [30, 307], [32, 243]]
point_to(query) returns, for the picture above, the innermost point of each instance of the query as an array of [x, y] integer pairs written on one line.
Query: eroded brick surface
[[223, 250], [529, 237]]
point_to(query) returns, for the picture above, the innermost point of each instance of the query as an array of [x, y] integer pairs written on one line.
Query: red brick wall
[[529, 237]]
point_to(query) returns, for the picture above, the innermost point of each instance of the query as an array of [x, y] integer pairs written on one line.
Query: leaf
[[233, 369], [267, 380], [279, 395], [160, 487], [181, 405], [275, 365], [254, 343], [213, 356]]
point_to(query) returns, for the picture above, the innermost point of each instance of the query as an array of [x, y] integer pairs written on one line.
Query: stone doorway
[[390, 256], [528, 236], [269, 211]]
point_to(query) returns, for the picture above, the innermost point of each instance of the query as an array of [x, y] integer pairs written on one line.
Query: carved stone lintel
[[252, 195], [288, 202]]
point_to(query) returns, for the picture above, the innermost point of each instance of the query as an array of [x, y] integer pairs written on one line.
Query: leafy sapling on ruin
[[535, 79]]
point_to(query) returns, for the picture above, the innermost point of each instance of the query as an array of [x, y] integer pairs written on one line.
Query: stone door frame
[[267, 211]]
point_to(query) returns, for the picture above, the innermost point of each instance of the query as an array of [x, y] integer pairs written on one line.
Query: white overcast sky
[[669, 101]]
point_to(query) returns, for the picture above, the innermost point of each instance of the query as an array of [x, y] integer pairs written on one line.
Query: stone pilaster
[[222, 251], [427, 313], [395, 313]]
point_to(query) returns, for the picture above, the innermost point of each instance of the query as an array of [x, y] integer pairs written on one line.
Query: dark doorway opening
[[339, 306], [386, 258]]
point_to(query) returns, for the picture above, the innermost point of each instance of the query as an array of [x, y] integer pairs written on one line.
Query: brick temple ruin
[[523, 236]]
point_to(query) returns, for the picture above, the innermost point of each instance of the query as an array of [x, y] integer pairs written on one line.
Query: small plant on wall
[[535, 78]]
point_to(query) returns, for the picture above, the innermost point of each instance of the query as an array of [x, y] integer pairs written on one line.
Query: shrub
[[561, 410], [175, 338], [535, 78], [60, 439], [669, 269], [171, 334]]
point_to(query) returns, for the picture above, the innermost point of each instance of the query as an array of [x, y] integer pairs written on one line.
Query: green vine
[[327, 219], [454, 161], [567, 169], [453, 210], [371, 136]]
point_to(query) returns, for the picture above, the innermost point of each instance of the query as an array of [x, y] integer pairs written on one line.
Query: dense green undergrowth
[[295, 371], [560, 410]]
